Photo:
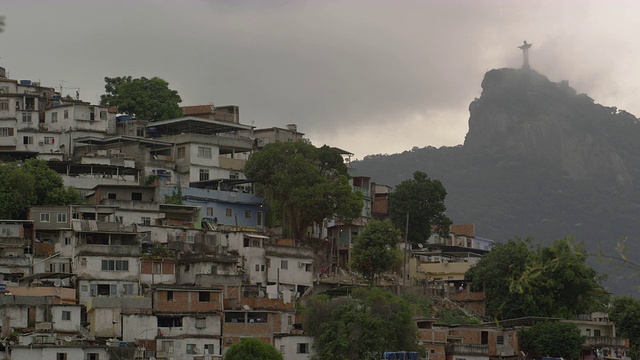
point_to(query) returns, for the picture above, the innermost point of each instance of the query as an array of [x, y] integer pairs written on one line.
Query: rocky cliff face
[[524, 114], [539, 160]]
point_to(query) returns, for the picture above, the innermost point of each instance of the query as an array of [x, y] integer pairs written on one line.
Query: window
[[156, 268], [181, 152], [146, 221], [167, 345], [49, 140], [26, 117], [103, 115], [169, 295], [93, 356], [127, 289], [234, 175], [204, 152], [257, 267], [201, 323], [115, 265], [204, 175], [191, 348], [209, 211], [500, 339], [596, 333], [54, 117], [136, 196], [66, 114], [247, 214], [284, 264], [44, 217], [27, 140], [66, 315], [140, 131], [302, 348], [92, 116], [61, 356], [4, 104], [191, 238], [262, 267], [84, 288], [67, 241], [204, 296], [169, 321], [259, 218], [6, 131], [229, 213], [209, 348], [257, 318], [62, 218]]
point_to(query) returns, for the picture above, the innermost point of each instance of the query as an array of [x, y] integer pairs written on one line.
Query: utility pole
[[404, 258]]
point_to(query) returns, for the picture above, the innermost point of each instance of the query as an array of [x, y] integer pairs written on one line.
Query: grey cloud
[[335, 68]]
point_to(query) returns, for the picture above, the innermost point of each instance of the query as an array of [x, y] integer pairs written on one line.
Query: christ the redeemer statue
[[525, 53]]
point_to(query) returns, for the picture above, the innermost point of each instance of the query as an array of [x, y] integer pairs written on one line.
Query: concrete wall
[[299, 271], [290, 347], [72, 352], [65, 325], [186, 301]]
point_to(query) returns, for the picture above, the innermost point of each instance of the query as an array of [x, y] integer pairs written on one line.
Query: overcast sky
[[367, 76]]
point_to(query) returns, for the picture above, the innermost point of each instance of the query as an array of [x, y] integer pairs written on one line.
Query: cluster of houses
[[131, 274]]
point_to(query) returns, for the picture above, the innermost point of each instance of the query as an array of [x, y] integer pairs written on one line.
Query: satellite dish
[[420, 245], [196, 350], [246, 307], [56, 283], [152, 358], [12, 343], [68, 338]]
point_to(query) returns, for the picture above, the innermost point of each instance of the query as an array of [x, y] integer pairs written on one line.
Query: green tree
[[625, 313], [551, 281], [303, 184], [149, 99], [32, 183], [360, 327], [422, 198], [550, 338], [250, 349], [375, 249]]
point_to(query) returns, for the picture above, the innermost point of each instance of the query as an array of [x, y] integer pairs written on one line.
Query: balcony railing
[[467, 349], [605, 341]]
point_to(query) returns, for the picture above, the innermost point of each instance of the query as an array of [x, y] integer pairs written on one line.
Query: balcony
[[113, 250], [605, 341], [467, 349], [231, 164]]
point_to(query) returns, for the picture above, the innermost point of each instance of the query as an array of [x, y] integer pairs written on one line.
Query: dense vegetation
[[31, 183], [147, 99], [375, 249], [420, 202], [555, 339], [303, 184], [361, 326], [251, 349], [521, 281]]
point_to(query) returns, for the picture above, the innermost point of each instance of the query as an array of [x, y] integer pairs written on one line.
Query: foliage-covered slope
[[539, 160]]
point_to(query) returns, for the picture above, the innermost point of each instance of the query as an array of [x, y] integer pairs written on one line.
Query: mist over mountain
[[539, 160]]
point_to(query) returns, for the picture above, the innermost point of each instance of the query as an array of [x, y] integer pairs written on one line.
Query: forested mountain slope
[[539, 160]]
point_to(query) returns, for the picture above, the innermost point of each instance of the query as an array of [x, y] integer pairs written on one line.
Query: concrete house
[[106, 260], [185, 322], [290, 267], [16, 250], [205, 149], [294, 346]]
